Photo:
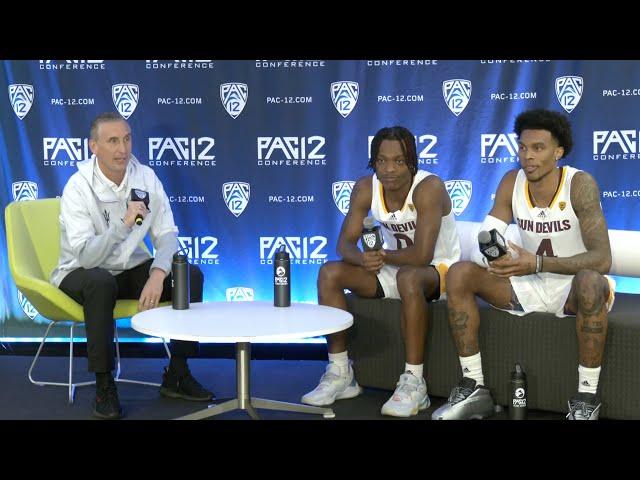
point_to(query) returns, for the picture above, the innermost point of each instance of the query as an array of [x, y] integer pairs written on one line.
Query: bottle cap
[[179, 257], [282, 254]]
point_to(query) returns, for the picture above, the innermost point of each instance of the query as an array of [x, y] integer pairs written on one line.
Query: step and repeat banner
[[255, 154]]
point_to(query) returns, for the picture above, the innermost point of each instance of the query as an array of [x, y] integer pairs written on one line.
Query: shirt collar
[[112, 185]]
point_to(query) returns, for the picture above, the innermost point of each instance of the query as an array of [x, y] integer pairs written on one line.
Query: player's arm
[[359, 207], [500, 215], [502, 203], [585, 197], [429, 198]]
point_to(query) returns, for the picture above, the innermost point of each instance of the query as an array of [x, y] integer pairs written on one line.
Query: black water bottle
[[518, 406], [282, 279], [180, 281]]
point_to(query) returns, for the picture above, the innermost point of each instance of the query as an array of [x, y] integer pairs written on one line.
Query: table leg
[[212, 410], [290, 407], [245, 402]]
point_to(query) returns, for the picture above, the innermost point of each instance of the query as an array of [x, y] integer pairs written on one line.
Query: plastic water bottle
[[180, 281], [282, 279], [518, 406]]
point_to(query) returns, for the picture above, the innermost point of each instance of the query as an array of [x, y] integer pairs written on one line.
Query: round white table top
[[231, 322]]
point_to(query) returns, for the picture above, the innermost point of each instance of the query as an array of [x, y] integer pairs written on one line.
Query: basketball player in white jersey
[[560, 268], [421, 241]]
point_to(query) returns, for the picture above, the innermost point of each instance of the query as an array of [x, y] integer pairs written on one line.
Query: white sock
[[472, 368], [588, 379], [415, 369], [342, 360]]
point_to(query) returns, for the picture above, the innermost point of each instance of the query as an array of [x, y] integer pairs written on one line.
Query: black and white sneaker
[[584, 406], [467, 401]]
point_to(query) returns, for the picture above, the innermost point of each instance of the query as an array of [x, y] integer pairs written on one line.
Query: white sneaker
[[333, 386], [409, 397]]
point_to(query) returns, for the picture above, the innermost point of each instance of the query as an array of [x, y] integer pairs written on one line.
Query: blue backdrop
[[258, 153]]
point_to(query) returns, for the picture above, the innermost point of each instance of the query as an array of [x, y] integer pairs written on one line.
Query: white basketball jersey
[[551, 231], [399, 227]]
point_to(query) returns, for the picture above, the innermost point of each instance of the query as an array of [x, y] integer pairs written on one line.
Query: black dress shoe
[[183, 386]]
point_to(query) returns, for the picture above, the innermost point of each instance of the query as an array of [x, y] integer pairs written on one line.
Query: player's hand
[[523, 263], [373, 260]]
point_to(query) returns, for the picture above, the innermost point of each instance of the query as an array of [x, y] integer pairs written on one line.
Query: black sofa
[[546, 346]]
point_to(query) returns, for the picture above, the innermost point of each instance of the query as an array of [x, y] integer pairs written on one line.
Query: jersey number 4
[[545, 248]]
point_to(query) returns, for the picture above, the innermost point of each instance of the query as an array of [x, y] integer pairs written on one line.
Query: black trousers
[[97, 291]]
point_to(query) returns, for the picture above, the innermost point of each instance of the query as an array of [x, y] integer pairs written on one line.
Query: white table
[[242, 323]]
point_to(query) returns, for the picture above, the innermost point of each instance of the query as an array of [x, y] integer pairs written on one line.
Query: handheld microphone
[[371, 235], [138, 195], [492, 244]]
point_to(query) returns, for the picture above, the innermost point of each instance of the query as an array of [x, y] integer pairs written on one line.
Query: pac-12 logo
[[21, 97], [239, 294], [369, 239], [234, 97], [236, 196], [494, 144], [345, 96], [460, 193], [200, 249], [24, 190], [625, 141], [303, 250], [27, 308], [569, 91], [341, 192], [457, 93], [125, 98]]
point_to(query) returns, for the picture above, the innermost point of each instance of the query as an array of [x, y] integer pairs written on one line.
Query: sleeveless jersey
[[552, 231], [399, 227]]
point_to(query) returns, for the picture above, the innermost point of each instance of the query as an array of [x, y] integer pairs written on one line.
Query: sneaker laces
[[406, 388], [327, 377], [581, 406], [458, 394]]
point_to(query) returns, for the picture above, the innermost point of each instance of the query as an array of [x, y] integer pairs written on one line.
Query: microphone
[[371, 235], [492, 244], [138, 195]]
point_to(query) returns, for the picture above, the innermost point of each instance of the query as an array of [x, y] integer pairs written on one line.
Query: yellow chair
[[33, 245]]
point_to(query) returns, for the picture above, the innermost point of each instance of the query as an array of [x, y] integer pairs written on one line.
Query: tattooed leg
[[591, 291], [464, 333], [465, 281]]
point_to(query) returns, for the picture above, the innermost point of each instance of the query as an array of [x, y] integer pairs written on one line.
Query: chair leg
[[118, 369], [70, 385], [35, 360]]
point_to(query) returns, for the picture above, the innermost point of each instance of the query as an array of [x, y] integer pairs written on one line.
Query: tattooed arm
[[585, 197]]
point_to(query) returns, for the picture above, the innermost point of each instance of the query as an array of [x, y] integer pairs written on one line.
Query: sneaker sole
[[102, 416], [475, 416], [172, 394], [480, 416], [349, 392], [392, 413]]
